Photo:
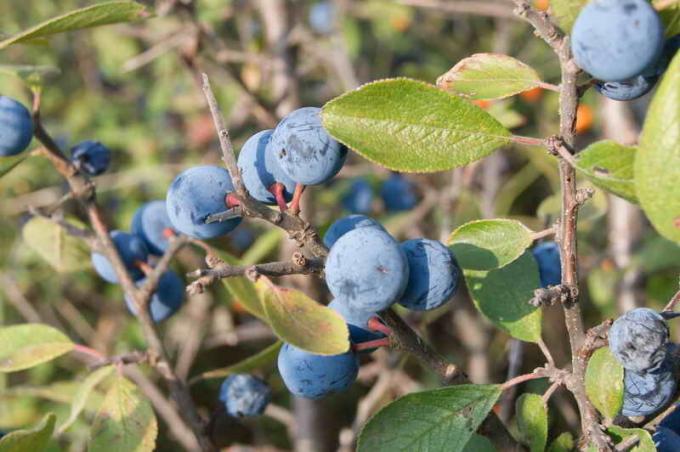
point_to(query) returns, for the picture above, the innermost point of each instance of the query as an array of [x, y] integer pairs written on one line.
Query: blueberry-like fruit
[[666, 440], [346, 224], [315, 376], [645, 393], [357, 321], [260, 169], [398, 194], [359, 198], [166, 300], [433, 274], [627, 89], [196, 194], [131, 249], [152, 223], [91, 157], [672, 421], [244, 395], [305, 151], [367, 268], [638, 340], [16, 127], [241, 238], [547, 255], [321, 16], [616, 40]]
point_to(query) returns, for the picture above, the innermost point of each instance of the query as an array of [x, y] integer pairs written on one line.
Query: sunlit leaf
[[604, 382], [27, 345]]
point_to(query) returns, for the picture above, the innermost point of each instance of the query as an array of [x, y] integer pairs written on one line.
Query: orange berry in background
[[584, 118], [541, 5], [531, 96], [400, 23], [482, 103]]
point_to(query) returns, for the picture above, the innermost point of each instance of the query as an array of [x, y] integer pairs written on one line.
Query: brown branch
[[673, 303]]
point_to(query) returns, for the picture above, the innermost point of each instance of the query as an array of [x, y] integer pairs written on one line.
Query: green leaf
[[657, 164], [489, 76], [62, 251], [479, 443], [33, 76], [243, 291], [489, 244], [645, 444], [92, 16], [604, 382], [263, 247], [34, 439], [298, 320], [441, 419], [125, 421], [670, 17], [411, 126], [257, 361], [563, 443], [7, 164], [565, 12], [532, 421], [609, 165], [503, 296], [30, 344], [84, 391], [502, 111], [59, 392]]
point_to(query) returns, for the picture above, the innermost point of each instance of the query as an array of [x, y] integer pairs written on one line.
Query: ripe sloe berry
[[666, 440], [131, 249], [357, 321], [152, 224], [244, 395], [398, 193], [16, 127], [547, 255], [346, 224], [646, 393], [321, 16], [166, 300], [359, 198], [627, 89], [638, 340], [91, 157]]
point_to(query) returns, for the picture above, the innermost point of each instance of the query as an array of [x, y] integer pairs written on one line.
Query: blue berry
[[244, 395], [321, 16], [367, 268], [196, 194], [241, 238], [547, 255], [315, 376], [666, 440], [131, 249], [260, 169], [304, 149], [646, 393], [398, 194], [91, 157], [433, 274], [627, 89], [359, 198], [346, 224], [638, 339], [357, 321], [615, 40], [152, 224], [166, 300], [16, 127], [672, 421]]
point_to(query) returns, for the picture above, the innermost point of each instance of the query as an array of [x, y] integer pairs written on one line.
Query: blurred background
[[134, 88]]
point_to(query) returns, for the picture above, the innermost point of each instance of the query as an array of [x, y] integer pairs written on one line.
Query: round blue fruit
[[16, 127], [166, 300], [359, 198], [357, 322], [91, 157], [346, 224], [131, 249], [398, 194], [672, 421], [627, 89], [321, 17], [646, 393], [196, 194], [244, 395], [666, 440], [305, 151], [260, 169], [433, 274], [367, 268], [315, 376], [638, 339], [547, 255], [152, 223], [616, 40]]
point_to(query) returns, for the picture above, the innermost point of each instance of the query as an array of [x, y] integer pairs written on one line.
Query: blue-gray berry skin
[[398, 194], [260, 169], [357, 321], [627, 89], [166, 300], [244, 395], [315, 376], [615, 40], [672, 421], [91, 157], [322, 16], [367, 268], [305, 151], [346, 224], [16, 127], [638, 339], [131, 249], [433, 274], [359, 198], [152, 223], [645, 393], [547, 255], [666, 440], [196, 194]]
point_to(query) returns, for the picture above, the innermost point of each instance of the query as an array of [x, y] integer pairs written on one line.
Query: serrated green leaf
[[489, 76], [503, 295], [532, 421], [565, 12], [7, 164], [479, 443], [604, 382], [645, 444], [30, 344], [62, 251], [657, 164], [92, 16], [35, 439], [563, 443], [83, 394], [441, 419], [609, 165], [411, 126], [298, 320], [125, 421], [489, 244], [257, 361]]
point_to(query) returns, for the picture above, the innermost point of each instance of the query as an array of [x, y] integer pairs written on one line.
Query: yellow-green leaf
[[563, 443], [257, 361], [27, 345], [7, 164], [604, 382], [62, 251], [532, 421], [565, 12], [645, 442], [83, 394], [30, 440], [609, 165]]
